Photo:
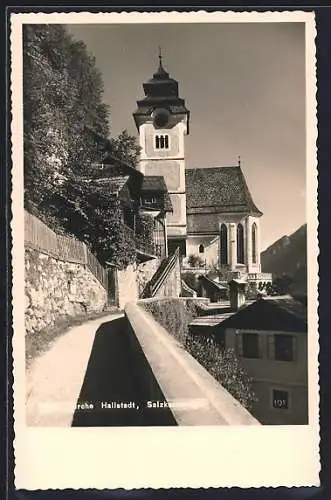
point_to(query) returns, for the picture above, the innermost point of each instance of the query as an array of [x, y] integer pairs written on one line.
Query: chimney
[[237, 293]]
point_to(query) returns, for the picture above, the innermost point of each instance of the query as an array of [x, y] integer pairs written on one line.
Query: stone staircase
[[161, 275]]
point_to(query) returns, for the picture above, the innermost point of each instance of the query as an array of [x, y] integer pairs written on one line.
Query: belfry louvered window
[[162, 141]]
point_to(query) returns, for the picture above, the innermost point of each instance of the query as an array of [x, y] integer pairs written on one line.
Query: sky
[[244, 84]]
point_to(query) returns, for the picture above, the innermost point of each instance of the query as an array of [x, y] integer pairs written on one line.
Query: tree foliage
[[95, 216], [125, 147], [225, 367], [195, 260], [66, 132], [62, 95]]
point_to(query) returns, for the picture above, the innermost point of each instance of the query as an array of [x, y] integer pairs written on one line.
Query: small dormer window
[[162, 141]]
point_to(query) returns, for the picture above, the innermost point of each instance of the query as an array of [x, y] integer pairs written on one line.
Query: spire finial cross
[[239, 161], [160, 54]]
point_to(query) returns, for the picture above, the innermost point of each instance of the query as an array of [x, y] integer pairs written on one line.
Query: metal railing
[[260, 276]]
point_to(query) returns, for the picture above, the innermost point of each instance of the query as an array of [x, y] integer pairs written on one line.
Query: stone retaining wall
[[168, 373], [55, 289]]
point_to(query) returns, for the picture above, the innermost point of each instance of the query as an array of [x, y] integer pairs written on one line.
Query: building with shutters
[[269, 337], [214, 215]]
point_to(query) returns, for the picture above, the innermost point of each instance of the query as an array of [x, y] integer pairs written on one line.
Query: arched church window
[[240, 244], [224, 244], [161, 142], [166, 141], [201, 249], [254, 243], [157, 142]]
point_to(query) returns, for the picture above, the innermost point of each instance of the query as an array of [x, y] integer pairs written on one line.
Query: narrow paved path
[[86, 366]]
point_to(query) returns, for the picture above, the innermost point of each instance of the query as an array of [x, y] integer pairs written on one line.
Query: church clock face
[[161, 117]]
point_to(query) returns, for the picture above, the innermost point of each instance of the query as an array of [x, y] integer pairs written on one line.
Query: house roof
[[212, 320], [290, 305], [218, 189], [270, 314], [156, 184], [114, 184]]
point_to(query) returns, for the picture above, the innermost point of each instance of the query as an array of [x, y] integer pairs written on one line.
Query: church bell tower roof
[[161, 91]]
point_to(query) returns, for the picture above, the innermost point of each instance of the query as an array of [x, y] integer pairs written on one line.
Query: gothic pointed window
[[254, 243], [240, 244], [157, 142], [161, 141], [201, 249], [166, 142], [224, 244]]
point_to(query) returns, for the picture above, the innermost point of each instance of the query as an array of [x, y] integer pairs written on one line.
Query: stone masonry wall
[[132, 281], [145, 271], [127, 288], [55, 289]]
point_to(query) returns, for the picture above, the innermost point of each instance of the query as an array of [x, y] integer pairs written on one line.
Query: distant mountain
[[286, 259]]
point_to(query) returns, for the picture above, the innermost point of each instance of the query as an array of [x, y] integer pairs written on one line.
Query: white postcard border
[[163, 457]]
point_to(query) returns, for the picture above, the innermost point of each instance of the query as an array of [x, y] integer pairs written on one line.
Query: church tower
[[163, 121]]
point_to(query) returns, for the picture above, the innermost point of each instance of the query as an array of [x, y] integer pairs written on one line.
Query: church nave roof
[[218, 189]]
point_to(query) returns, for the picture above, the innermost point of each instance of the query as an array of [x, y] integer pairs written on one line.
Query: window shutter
[[294, 347], [239, 344], [271, 346]]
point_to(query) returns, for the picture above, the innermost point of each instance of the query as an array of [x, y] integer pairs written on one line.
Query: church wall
[[169, 163], [147, 141], [212, 252], [178, 202], [173, 150], [252, 267], [193, 243], [203, 223], [170, 169]]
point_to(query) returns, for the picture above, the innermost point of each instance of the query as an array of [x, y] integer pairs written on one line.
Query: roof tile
[[218, 188]]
